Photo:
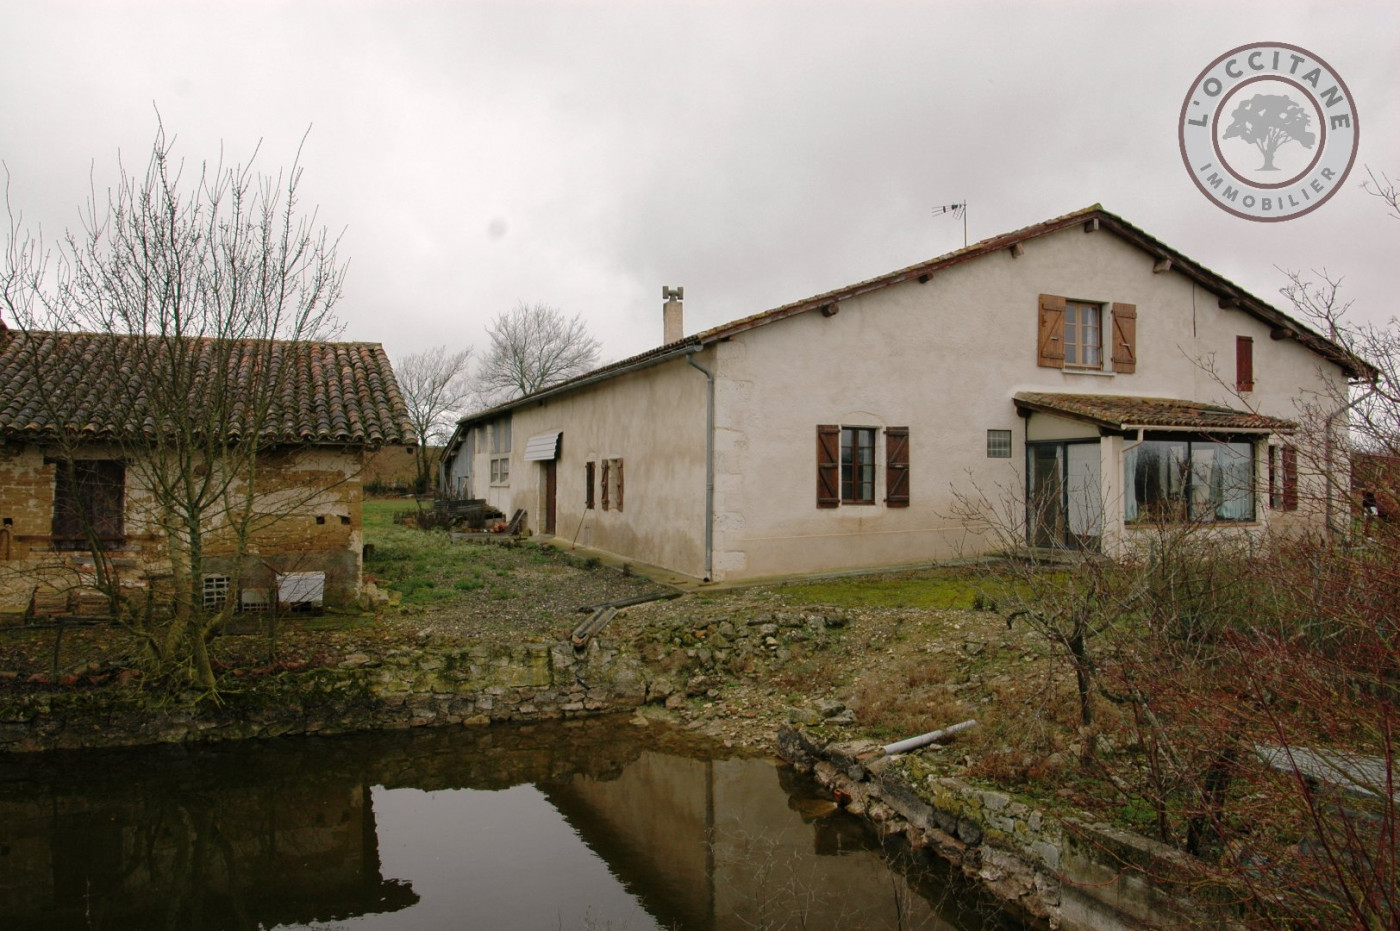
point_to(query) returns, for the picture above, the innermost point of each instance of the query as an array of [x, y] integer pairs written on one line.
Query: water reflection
[[578, 825]]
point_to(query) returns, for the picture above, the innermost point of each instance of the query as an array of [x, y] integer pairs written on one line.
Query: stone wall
[[1060, 871], [307, 518], [410, 687]]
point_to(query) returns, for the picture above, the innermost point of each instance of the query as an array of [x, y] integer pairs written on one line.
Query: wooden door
[[551, 488]]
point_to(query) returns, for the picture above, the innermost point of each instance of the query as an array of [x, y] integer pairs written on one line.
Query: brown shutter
[[897, 467], [1290, 478], [828, 465], [605, 484], [1125, 338], [1052, 332], [619, 484], [1244, 363], [588, 476]]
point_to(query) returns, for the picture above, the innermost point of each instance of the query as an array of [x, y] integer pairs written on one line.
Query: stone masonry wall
[[313, 493], [1060, 871], [409, 687]]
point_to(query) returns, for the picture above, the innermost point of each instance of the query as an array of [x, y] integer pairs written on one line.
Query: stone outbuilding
[[76, 426]]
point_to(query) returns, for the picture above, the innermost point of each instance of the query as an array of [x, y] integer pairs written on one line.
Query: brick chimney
[[672, 320]]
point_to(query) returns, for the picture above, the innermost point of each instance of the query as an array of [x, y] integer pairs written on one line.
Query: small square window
[[998, 444]]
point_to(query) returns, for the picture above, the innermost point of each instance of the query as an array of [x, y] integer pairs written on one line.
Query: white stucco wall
[[653, 420], [945, 359]]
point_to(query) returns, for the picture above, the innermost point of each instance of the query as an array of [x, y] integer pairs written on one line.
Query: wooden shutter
[[588, 477], [1244, 363], [1052, 332], [897, 467], [618, 467], [828, 465], [1290, 478], [605, 484], [1125, 338]]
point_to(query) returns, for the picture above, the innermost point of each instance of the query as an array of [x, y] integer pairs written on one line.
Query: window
[[1283, 478], [612, 484], [589, 474], [1176, 479], [846, 466], [1083, 335], [857, 465], [88, 502], [998, 444], [500, 451], [1072, 334], [215, 592], [1244, 363]]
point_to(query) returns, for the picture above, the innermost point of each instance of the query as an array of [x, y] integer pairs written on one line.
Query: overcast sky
[[584, 154]]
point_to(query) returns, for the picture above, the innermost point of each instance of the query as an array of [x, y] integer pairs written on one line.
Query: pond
[[594, 825]]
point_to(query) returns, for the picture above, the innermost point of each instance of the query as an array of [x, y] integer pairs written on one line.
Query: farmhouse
[[1080, 376], [78, 433]]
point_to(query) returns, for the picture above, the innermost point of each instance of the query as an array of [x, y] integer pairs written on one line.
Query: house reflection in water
[[284, 833], [187, 847], [721, 844]]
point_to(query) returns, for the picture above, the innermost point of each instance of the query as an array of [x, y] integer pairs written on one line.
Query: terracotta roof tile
[[84, 383], [1117, 412]]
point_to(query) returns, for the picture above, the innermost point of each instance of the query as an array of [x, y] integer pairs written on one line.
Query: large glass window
[[1176, 480], [857, 465]]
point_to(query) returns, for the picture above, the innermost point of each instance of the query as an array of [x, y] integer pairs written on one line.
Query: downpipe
[[709, 462]]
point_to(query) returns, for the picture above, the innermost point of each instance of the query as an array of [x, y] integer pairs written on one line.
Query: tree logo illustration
[[1284, 103], [1267, 121]]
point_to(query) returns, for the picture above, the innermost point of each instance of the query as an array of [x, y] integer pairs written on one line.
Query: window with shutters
[[589, 477], [1078, 335], [1244, 363], [847, 465], [88, 503]]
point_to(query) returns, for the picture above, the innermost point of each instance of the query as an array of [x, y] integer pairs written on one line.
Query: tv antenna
[[957, 210]]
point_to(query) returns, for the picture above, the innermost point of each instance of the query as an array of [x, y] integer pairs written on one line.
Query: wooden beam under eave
[[1017, 250], [1092, 226], [1281, 333], [1161, 266], [830, 310], [923, 279], [1229, 301]]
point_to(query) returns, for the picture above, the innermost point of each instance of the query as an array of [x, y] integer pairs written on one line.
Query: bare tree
[[172, 328], [533, 347], [436, 385]]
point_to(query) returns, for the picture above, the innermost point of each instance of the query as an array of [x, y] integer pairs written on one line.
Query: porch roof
[[1120, 412]]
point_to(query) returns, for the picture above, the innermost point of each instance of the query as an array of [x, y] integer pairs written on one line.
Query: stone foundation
[[1058, 872], [413, 687]]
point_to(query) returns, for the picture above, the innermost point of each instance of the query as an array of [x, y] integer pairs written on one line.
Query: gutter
[[709, 461]]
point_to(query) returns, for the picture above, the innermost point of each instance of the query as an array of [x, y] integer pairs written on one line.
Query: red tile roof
[[1118, 412], [91, 385], [1094, 217]]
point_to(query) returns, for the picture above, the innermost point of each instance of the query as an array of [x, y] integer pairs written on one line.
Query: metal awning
[[542, 447]]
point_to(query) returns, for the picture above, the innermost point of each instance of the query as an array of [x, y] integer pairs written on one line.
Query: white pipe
[[923, 740]]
